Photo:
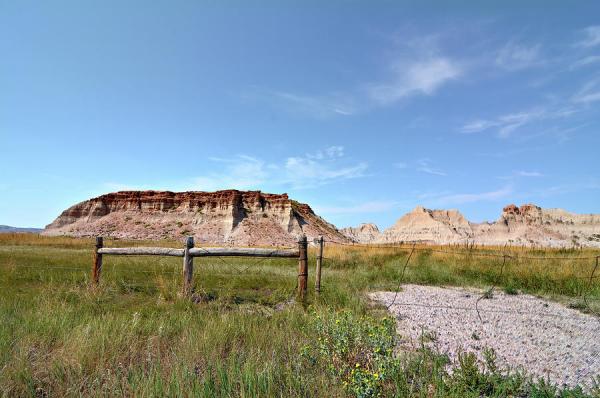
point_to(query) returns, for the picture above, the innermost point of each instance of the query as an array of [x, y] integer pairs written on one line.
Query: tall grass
[[240, 337]]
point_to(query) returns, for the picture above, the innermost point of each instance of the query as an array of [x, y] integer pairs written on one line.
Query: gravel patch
[[543, 338]]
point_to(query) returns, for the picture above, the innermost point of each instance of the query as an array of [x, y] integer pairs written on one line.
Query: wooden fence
[[189, 252]]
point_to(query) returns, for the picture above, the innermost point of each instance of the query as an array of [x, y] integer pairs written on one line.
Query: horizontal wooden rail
[[199, 252], [242, 252], [189, 252], [141, 251]]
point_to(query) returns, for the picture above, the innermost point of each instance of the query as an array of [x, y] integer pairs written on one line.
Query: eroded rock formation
[[430, 226], [224, 217], [364, 233], [525, 225]]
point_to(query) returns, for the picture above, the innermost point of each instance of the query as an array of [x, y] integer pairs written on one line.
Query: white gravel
[[543, 338]]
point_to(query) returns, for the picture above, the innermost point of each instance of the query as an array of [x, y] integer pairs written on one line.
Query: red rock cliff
[[230, 217]]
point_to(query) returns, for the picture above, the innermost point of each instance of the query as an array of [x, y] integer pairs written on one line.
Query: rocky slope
[[532, 225], [231, 217], [525, 225], [363, 233], [430, 226]]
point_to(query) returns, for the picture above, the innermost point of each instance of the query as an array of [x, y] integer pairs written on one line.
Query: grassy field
[[242, 335]]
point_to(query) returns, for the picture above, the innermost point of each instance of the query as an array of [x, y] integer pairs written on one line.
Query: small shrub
[[510, 290], [358, 351]]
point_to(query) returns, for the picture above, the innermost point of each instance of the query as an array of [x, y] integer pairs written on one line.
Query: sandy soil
[[545, 339]]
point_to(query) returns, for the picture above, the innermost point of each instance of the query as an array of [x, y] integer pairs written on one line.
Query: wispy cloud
[[424, 166], [524, 173], [306, 172], [462, 198], [591, 37], [322, 167], [514, 56], [505, 125], [318, 106], [422, 77], [591, 185], [521, 174], [239, 172], [417, 68], [376, 206], [585, 61], [590, 92]]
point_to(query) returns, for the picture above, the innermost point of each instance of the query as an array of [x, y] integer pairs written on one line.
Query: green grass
[[134, 335]]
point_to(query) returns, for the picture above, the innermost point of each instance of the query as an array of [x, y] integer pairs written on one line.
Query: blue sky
[[361, 109]]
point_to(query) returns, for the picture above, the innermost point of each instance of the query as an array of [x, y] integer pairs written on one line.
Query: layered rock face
[[364, 233], [525, 225], [231, 217], [532, 225]]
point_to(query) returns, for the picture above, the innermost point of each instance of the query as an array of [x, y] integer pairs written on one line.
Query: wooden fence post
[[188, 266], [319, 263], [302, 267], [97, 267]]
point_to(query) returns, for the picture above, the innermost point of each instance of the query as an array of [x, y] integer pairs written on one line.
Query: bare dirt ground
[[543, 338]]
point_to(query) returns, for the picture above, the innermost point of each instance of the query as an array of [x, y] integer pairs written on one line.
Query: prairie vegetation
[[242, 335]]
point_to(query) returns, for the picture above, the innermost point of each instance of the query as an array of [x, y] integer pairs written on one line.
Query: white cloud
[[318, 106], [524, 173], [425, 167], [322, 106], [457, 199], [331, 152], [591, 37], [367, 207], [477, 126], [505, 125], [303, 172], [315, 169], [400, 165], [564, 189], [240, 172], [511, 122], [592, 59], [590, 92], [515, 56], [416, 69], [423, 77]]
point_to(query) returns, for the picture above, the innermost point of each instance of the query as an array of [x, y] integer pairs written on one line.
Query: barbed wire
[[513, 257], [401, 277], [589, 287], [504, 256], [469, 252]]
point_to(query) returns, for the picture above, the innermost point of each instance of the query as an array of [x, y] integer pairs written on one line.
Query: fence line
[[189, 252]]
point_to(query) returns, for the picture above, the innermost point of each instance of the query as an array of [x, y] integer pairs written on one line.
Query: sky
[[364, 110]]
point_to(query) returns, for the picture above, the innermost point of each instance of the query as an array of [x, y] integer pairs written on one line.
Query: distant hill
[[9, 229]]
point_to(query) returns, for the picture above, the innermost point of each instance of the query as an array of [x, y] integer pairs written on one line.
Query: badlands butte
[[254, 218]]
